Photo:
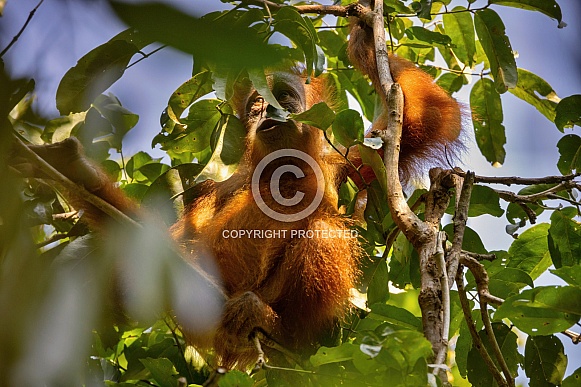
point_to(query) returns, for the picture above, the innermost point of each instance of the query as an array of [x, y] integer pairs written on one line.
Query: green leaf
[[93, 74], [569, 149], [300, 31], [484, 200], [372, 158], [230, 38], [548, 7], [327, 355], [360, 89], [428, 36], [188, 92], [451, 82], [260, 83], [487, 117], [568, 112], [395, 315], [203, 117], [137, 161], [573, 380], [543, 310], [234, 140], [492, 36], [60, 128], [236, 378], [530, 252], [348, 128], [545, 361], [471, 242], [135, 191], [536, 91], [569, 274], [162, 371], [319, 115], [478, 373], [121, 119], [565, 238], [514, 212], [460, 27], [378, 289], [508, 281]]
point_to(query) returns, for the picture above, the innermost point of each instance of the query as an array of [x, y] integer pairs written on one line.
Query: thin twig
[[476, 340], [510, 180], [54, 238], [145, 56], [533, 198], [479, 257], [481, 277], [17, 36], [574, 336], [494, 343]]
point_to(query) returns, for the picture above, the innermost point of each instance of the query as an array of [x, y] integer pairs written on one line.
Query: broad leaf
[[570, 151], [484, 200], [396, 316], [326, 355], [478, 373], [548, 7], [229, 38], [202, 119], [573, 380], [492, 36], [96, 72], [569, 274], [319, 115], [162, 371], [460, 27], [545, 361], [530, 251], [487, 117], [348, 128], [428, 36], [565, 238], [537, 92], [302, 33], [188, 92], [568, 112], [378, 288], [543, 310]]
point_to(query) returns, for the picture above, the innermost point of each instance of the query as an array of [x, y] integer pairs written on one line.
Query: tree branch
[[476, 341], [510, 180], [494, 343], [17, 36], [460, 219], [482, 280], [72, 187]]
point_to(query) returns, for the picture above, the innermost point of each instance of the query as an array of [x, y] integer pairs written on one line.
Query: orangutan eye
[[283, 95]]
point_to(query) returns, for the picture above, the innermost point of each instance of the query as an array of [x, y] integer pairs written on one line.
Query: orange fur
[[293, 288], [432, 120]]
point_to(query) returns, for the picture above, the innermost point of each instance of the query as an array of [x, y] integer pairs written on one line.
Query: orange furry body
[[289, 279], [432, 120]]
